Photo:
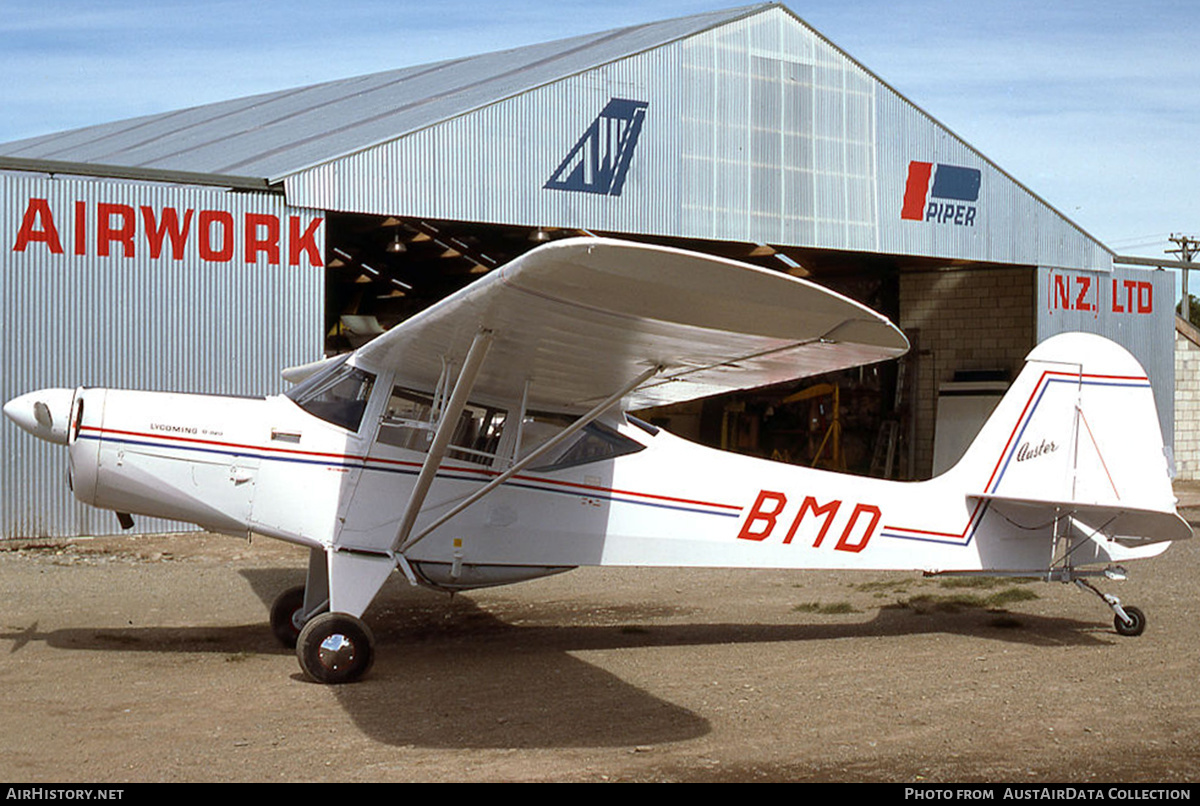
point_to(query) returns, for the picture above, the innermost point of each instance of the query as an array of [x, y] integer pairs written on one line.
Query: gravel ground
[[150, 659]]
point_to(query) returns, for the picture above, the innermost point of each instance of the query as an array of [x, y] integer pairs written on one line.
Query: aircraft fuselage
[[268, 467]]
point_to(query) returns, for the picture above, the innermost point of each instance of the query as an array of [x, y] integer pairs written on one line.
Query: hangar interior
[[742, 133], [383, 269]]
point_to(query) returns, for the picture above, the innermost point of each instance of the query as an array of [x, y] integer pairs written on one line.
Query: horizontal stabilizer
[[1074, 450], [1129, 526]]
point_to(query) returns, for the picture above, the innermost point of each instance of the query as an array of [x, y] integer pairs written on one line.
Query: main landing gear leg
[[334, 645], [1127, 620], [295, 606]]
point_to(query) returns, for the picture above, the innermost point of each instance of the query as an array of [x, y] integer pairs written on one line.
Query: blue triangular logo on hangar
[[599, 161]]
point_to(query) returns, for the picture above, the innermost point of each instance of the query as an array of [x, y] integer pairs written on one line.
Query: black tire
[[335, 648], [1136, 625], [284, 612]]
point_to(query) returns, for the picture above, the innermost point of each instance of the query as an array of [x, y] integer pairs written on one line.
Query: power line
[[1142, 240]]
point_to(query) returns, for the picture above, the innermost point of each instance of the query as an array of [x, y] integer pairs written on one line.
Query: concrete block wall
[[1187, 401], [963, 320]]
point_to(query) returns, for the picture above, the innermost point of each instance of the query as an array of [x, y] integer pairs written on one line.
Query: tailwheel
[[287, 616], [1135, 625], [335, 648], [1128, 621]]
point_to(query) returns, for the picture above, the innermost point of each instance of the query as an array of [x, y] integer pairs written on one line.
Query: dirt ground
[[150, 659]]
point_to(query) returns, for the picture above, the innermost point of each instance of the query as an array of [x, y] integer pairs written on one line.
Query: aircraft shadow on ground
[[450, 674]]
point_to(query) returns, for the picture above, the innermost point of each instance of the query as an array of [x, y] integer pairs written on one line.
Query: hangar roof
[[270, 136], [748, 126]]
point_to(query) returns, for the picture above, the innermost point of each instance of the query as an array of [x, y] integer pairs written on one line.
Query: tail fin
[[1078, 430]]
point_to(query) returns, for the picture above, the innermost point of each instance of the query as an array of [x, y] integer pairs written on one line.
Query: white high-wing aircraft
[[482, 442]]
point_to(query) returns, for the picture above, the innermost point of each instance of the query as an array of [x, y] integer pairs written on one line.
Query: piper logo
[[950, 200]]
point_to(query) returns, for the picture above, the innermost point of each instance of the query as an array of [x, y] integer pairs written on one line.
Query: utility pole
[[1188, 248]]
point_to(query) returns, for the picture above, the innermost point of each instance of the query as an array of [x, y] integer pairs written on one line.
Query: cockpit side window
[[408, 423], [594, 443], [337, 395], [408, 420]]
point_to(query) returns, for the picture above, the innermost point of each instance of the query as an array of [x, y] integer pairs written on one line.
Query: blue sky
[[1090, 104]]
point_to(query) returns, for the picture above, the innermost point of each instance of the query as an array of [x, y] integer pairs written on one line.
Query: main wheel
[[335, 648], [287, 616], [1136, 624]]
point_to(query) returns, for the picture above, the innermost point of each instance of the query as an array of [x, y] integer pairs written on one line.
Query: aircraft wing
[[581, 318]]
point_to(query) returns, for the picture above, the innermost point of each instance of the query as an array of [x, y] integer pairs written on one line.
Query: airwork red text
[[120, 230]]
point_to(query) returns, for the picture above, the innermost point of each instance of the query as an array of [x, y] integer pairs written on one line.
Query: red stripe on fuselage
[[342, 458]]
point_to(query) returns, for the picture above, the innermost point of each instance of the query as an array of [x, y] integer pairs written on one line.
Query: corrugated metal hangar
[[205, 249]]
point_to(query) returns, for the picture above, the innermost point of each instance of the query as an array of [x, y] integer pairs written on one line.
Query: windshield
[[337, 394]]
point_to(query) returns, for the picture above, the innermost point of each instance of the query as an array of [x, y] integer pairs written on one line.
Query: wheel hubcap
[[336, 652]]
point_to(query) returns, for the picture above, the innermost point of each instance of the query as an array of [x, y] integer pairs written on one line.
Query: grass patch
[[883, 586], [1010, 595], [981, 582], [928, 603], [834, 608]]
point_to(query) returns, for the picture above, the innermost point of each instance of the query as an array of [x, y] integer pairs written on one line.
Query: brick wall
[[1187, 401], [976, 319]]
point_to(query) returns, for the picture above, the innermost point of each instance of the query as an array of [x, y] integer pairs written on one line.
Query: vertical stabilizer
[[1079, 426]]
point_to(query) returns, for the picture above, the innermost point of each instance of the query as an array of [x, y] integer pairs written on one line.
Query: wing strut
[[441, 438], [557, 439]]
